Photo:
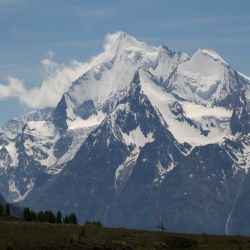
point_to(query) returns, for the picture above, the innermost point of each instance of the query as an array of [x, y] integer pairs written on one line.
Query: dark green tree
[[58, 217], [33, 216], [7, 209], [1, 209], [40, 216], [26, 214], [98, 223], [95, 223], [49, 216], [72, 218], [66, 219]]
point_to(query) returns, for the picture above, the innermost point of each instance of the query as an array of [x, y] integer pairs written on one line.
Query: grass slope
[[20, 235]]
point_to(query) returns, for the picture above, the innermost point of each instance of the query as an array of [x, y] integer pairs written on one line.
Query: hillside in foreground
[[20, 235]]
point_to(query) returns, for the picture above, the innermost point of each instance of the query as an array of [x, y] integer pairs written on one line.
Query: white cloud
[[57, 79], [14, 88]]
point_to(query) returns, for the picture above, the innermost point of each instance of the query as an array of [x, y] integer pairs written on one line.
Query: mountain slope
[[143, 132], [111, 155], [132, 162]]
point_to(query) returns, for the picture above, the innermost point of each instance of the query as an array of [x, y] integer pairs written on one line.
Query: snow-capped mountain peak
[[107, 81], [205, 62], [206, 78], [122, 41], [142, 126], [213, 54]]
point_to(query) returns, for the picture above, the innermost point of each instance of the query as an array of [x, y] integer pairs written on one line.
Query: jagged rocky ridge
[[143, 132]]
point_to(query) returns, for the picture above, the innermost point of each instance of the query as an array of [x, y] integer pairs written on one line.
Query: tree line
[[4, 209], [48, 216]]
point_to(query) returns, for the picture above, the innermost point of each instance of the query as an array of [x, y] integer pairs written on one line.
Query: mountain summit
[[144, 131]]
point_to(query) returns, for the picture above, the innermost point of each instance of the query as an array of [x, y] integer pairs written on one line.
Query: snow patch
[[11, 148], [93, 120], [195, 111], [40, 129], [213, 120], [241, 156], [124, 170], [15, 191], [39, 143], [162, 171], [137, 138]]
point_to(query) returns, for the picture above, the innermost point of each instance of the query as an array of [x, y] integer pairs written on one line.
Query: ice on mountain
[[137, 138], [11, 148], [93, 120], [214, 55], [205, 77], [183, 131], [15, 193], [40, 129]]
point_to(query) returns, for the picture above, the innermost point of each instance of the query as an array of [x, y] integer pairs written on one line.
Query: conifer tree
[[59, 217], [49, 216], [40, 216], [32, 216], [66, 220], [1, 209], [72, 218], [26, 214], [7, 209]]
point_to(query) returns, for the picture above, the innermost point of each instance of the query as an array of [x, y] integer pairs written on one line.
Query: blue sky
[[33, 30]]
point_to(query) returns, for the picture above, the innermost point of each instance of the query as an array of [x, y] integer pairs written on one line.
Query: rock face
[[143, 132]]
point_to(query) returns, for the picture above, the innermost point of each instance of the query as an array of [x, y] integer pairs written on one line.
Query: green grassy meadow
[[15, 234]]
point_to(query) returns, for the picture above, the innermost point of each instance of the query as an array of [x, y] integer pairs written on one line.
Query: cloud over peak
[[14, 88], [57, 79]]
